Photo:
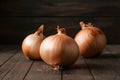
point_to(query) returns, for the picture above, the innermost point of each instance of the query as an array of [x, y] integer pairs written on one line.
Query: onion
[[91, 40], [31, 44], [59, 50]]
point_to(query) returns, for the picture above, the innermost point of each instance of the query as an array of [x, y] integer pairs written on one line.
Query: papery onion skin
[[59, 50], [91, 40], [31, 44]]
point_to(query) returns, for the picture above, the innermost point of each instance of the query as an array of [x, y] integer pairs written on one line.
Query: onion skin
[[31, 44], [91, 40], [59, 50]]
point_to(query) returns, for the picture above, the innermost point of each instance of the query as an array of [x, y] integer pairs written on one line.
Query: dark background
[[18, 18]]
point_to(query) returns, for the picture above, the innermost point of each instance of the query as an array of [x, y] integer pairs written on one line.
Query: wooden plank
[[20, 68], [41, 71], [5, 68], [6, 52], [6, 55], [106, 66], [79, 71], [114, 49]]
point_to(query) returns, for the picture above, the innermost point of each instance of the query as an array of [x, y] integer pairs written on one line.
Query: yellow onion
[[31, 44], [91, 40], [59, 50]]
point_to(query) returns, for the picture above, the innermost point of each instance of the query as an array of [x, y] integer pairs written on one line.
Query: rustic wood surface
[[14, 66]]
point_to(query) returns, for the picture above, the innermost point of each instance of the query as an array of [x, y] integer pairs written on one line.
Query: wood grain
[[79, 71], [41, 71], [5, 56], [20, 69], [105, 67], [5, 50], [4, 69]]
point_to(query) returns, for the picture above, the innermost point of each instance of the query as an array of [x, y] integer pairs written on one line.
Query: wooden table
[[14, 66]]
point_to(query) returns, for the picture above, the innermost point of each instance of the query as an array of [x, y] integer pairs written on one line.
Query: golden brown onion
[[91, 40], [31, 44], [59, 50]]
